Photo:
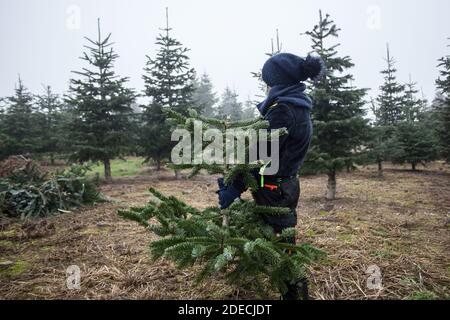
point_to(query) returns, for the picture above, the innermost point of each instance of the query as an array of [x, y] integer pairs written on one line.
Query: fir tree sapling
[[229, 106], [443, 107], [101, 105], [378, 144], [340, 129], [50, 107], [204, 98], [249, 110], [414, 141], [275, 49], [234, 242], [391, 99], [169, 80], [19, 126], [389, 111]]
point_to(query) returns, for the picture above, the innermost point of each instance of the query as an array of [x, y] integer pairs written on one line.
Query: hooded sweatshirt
[[289, 107]]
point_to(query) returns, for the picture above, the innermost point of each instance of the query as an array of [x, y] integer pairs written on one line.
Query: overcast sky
[[42, 39]]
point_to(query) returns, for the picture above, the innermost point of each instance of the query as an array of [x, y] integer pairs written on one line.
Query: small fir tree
[[101, 105], [413, 140], [443, 110], [50, 107], [169, 81], [391, 99], [20, 126], [389, 111], [229, 106], [276, 47], [379, 140], [204, 98], [340, 129], [249, 110], [235, 242]]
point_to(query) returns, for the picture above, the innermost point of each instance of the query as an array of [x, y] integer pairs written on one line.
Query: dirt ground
[[399, 224]]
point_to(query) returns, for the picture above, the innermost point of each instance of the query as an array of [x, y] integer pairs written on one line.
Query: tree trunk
[[413, 166], [158, 165], [380, 169], [331, 187], [177, 174], [225, 221], [52, 159], [108, 176]]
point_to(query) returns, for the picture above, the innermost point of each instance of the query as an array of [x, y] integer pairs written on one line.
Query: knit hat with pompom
[[289, 69]]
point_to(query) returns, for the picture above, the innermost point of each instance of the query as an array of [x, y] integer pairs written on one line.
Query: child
[[286, 106]]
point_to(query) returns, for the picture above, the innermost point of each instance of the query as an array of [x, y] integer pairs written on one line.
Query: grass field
[[401, 224], [130, 166]]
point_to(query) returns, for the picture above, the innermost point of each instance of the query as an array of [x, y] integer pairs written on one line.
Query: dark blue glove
[[228, 194]]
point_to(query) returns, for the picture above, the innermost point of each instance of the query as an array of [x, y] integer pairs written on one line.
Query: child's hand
[[227, 194]]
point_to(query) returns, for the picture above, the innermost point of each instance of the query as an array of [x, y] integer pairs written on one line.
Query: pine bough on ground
[[28, 192], [244, 249]]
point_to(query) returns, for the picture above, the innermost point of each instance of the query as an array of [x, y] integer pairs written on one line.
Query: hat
[[289, 69]]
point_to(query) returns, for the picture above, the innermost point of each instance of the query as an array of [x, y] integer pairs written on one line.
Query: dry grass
[[399, 223]]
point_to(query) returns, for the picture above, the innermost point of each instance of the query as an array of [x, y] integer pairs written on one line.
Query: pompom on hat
[[289, 69]]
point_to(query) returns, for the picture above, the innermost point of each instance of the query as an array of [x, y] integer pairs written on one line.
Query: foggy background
[[43, 39]]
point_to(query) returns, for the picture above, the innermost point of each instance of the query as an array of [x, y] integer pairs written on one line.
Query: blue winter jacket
[[285, 107], [290, 107]]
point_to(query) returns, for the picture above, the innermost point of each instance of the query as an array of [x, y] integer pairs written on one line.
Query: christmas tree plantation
[[234, 242]]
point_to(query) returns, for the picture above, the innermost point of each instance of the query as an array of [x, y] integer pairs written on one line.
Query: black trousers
[[286, 195]]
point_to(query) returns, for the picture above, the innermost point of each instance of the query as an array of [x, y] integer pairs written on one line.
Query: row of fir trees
[[99, 119], [404, 127], [235, 242]]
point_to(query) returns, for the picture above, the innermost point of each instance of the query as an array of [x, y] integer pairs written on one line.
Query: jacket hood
[[293, 95]]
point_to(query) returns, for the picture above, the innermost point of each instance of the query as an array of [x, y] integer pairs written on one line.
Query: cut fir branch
[[244, 131], [241, 130], [245, 248], [235, 242]]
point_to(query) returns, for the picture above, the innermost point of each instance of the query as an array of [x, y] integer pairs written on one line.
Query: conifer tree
[[169, 81], [229, 106], [413, 139], [204, 98], [414, 108], [389, 111], [3, 136], [378, 144], [2, 106], [276, 48], [101, 105], [235, 242], [391, 99], [338, 115], [50, 107], [19, 125], [249, 110], [443, 85]]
